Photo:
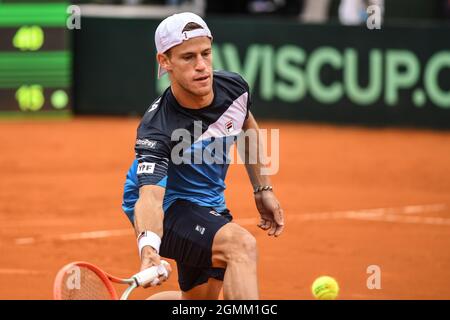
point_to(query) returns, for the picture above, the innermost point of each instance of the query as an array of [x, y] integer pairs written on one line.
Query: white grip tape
[[149, 238], [151, 275]]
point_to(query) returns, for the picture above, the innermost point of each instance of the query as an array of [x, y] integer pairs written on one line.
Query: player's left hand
[[271, 213], [149, 259]]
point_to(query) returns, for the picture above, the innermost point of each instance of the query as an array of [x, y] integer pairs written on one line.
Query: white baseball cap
[[170, 32]]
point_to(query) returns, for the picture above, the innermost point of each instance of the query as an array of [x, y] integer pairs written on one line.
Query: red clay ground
[[62, 177]]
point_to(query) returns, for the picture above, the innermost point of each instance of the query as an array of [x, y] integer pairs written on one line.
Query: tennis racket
[[84, 281]]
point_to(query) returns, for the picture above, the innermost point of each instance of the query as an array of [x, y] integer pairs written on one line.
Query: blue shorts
[[189, 231]]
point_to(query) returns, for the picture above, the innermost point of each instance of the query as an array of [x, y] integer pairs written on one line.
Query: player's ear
[[164, 61]]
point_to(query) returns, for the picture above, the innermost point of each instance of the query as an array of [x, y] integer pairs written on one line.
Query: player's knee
[[240, 248], [236, 244], [246, 245]]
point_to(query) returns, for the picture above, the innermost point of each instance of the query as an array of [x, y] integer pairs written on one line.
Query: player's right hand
[[150, 258]]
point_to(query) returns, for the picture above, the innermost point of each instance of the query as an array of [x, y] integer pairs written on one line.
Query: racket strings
[[81, 283]]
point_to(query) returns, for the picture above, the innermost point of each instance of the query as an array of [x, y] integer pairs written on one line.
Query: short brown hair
[[191, 26]]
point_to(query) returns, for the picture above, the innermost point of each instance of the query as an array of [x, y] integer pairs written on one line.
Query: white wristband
[[148, 238]]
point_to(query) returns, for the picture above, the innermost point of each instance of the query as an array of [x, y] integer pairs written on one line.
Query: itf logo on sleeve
[[145, 167]]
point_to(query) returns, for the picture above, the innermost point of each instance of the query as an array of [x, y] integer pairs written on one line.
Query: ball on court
[[325, 288]]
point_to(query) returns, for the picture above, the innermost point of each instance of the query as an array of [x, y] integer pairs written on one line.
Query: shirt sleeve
[[152, 153]]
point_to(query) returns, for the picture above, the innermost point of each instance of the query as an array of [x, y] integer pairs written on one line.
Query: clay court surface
[[61, 183]]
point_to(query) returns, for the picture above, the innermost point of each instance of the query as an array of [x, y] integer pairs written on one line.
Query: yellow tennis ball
[[325, 288]]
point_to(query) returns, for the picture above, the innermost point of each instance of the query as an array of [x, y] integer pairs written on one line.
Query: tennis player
[[174, 198]]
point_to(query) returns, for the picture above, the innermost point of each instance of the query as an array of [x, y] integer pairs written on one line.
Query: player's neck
[[191, 101]]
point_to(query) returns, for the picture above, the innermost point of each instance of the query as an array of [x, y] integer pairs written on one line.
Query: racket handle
[[150, 275]]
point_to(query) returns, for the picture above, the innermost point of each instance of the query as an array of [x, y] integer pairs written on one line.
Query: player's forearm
[[254, 163], [256, 178], [148, 214], [254, 170]]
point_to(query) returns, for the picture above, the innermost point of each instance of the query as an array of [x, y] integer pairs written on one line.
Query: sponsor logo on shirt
[[146, 143], [145, 167], [229, 126]]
